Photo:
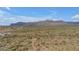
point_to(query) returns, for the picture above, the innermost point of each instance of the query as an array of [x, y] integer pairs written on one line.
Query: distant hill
[[72, 23], [39, 23], [44, 23]]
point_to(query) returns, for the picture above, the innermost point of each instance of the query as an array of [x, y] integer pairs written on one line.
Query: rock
[[3, 34]]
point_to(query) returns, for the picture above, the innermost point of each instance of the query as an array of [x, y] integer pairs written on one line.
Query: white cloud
[[56, 19], [53, 13], [75, 17], [8, 8], [6, 18]]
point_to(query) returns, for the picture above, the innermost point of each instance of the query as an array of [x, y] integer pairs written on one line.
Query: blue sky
[[10, 15]]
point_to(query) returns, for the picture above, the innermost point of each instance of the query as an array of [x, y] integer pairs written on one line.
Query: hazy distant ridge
[[44, 23]]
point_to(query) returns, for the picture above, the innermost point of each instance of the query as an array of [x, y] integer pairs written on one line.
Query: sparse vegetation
[[61, 38]]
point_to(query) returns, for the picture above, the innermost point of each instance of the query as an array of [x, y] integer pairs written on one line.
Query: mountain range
[[44, 23]]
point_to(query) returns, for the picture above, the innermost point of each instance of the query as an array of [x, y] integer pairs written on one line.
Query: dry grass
[[64, 38]]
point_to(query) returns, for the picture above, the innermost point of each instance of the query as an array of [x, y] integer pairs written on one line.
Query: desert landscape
[[42, 38], [39, 29]]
